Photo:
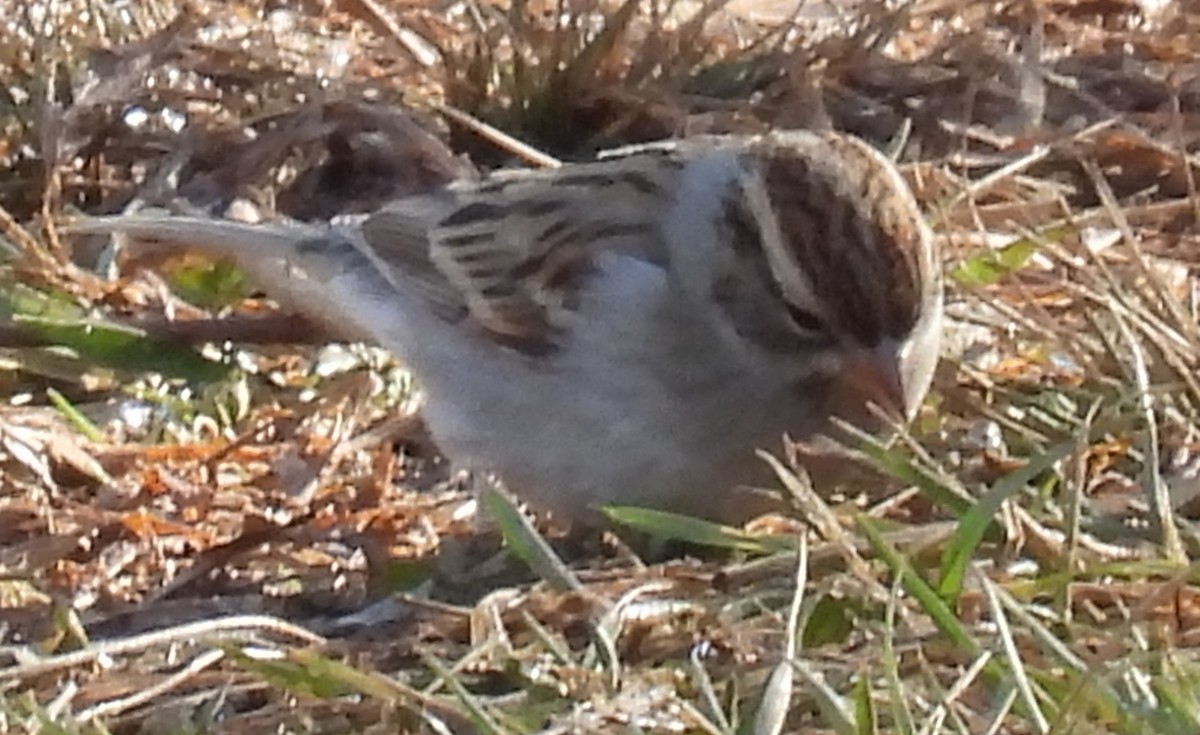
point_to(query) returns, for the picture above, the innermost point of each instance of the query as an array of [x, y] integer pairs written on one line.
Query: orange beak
[[874, 375]]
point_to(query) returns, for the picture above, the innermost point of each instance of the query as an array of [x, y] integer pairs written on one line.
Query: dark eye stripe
[[804, 319]]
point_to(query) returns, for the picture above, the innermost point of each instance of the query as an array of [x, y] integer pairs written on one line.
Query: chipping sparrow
[[630, 330]]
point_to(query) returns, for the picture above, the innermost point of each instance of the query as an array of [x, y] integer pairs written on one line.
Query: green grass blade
[[975, 523]]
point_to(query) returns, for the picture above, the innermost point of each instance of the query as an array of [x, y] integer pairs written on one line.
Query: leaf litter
[[167, 537]]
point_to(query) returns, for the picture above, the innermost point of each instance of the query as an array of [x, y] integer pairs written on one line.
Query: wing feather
[[516, 250], [512, 254]]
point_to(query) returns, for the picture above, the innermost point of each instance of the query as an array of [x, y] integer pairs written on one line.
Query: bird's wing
[[512, 253], [516, 251]]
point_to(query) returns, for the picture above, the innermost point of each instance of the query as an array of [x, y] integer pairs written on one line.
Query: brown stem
[[269, 329]]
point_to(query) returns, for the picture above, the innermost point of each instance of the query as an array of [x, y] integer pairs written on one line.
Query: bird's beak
[[874, 375]]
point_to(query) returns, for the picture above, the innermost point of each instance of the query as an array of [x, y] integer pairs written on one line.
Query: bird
[[632, 329]]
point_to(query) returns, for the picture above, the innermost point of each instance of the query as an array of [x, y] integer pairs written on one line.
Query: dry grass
[[162, 513]]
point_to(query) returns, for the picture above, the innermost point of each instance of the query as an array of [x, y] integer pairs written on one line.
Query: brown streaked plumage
[[630, 330]]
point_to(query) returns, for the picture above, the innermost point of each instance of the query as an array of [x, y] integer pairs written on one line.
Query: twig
[[259, 330], [117, 706], [36, 666], [497, 137], [422, 51]]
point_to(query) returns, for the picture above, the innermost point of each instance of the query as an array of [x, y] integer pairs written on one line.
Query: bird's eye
[[805, 319]]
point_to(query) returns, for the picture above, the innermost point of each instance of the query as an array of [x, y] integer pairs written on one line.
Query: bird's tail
[[224, 237]]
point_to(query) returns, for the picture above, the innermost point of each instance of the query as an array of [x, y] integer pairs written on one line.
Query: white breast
[[642, 405]]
